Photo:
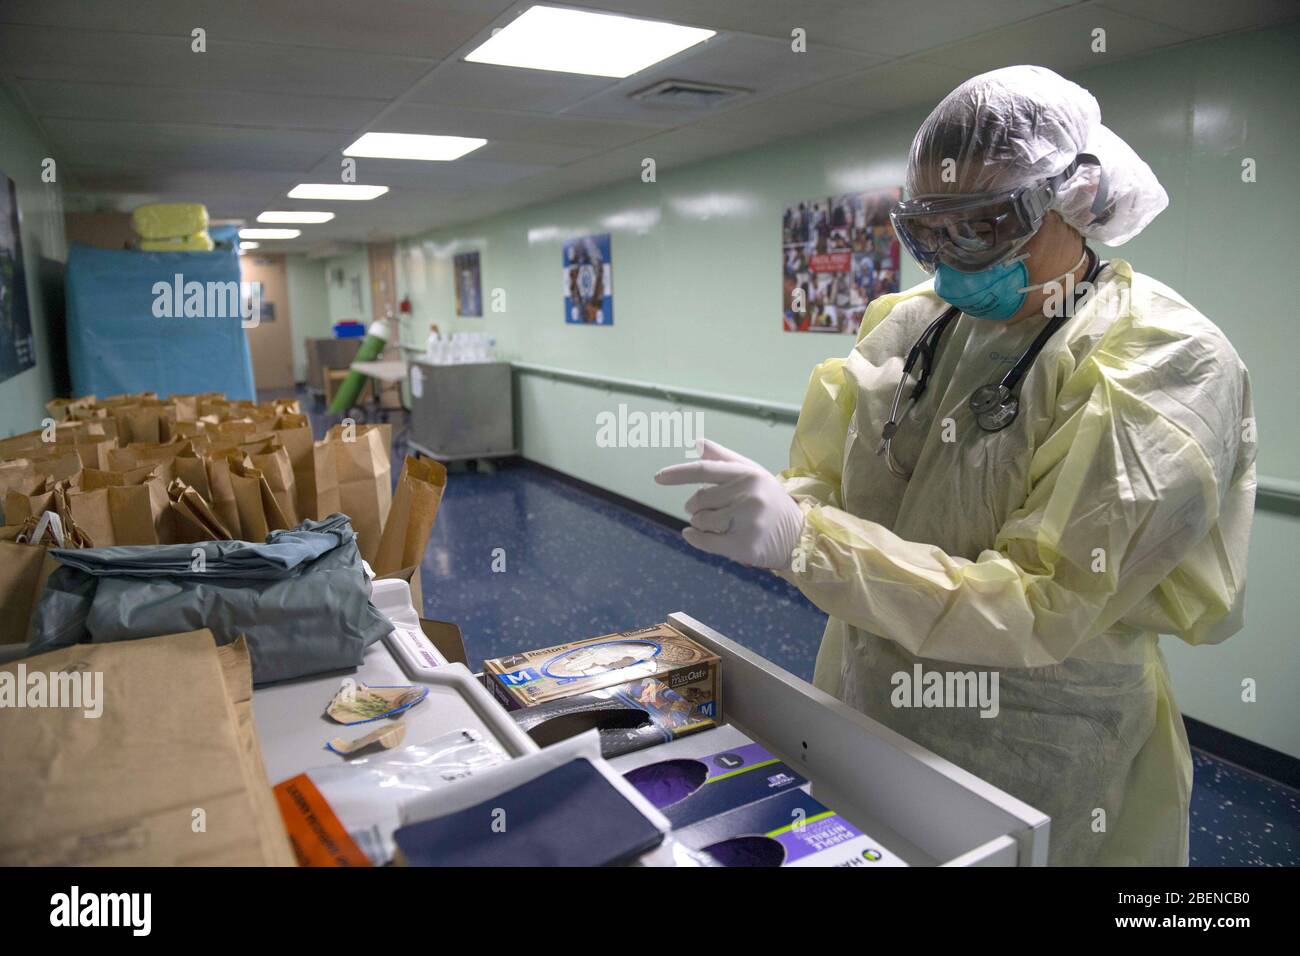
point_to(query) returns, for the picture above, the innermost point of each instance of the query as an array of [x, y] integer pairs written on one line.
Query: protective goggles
[[973, 232]]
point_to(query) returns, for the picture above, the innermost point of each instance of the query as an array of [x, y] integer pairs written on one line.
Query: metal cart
[[462, 411]]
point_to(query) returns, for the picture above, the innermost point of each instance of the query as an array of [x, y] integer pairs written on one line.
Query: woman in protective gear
[[1051, 544]]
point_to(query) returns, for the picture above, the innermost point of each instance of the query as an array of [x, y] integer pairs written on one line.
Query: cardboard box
[[787, 829], [629, 717], [661, 652], [708, 774]]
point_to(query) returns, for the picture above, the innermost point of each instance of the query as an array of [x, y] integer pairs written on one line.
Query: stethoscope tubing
[[928, 344]]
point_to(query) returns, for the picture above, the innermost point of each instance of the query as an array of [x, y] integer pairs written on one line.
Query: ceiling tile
[[890, 28], [399, 174], [751, 63], [166, 104], [186, 147], [782, 116], [430, 29], [889, 87], [47, 53], [542, 154], [1209, 17], [484, 86], [1061, 41], [516, 127]]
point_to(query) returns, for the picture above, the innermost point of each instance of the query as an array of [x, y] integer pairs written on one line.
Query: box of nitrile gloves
[[692, 672]]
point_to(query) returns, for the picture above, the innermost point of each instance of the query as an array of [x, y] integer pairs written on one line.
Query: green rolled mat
[[373, 344]]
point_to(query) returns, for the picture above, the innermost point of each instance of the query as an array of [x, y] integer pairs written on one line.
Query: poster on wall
[[838, 254], [588, 281], [17, 349], [469, 284]]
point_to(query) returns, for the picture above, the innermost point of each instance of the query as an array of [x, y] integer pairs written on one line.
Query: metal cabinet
[[462, 411]]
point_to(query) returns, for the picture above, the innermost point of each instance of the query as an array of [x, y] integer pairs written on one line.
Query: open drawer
[[925, 809]]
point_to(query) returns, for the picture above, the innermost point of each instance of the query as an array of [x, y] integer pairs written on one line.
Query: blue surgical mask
[[997, 292]]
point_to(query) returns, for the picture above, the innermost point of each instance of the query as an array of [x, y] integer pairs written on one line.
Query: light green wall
[[697, 295], [40, 205], [309, 305], [340, 302]]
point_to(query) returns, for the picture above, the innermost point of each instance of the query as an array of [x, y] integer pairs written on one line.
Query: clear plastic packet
[[367, 793]]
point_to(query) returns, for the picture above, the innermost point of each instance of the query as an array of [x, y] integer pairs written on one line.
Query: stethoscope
[[994, 406]]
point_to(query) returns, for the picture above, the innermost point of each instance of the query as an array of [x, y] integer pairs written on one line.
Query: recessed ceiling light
[[577, 41], [413, 146], [249, 245], [335, 191], [269, 234], [290, 215]]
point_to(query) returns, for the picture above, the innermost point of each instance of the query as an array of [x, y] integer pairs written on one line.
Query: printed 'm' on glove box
[[661, 652]]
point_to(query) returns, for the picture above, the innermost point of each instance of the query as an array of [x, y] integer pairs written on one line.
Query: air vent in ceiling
[[688, 95]]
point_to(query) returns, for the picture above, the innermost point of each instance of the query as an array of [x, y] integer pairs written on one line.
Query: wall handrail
[[780, 411], [1273, 491]]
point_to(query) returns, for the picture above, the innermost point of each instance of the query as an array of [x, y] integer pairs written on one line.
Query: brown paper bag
[[363, 459], [248, 499], [61, 409], [325, 494], [124, 507], [143, 423], [259, 512], [59, 464], [293, 431], [190, 467], [195, 520], [100, 416], [222, 497], [21, 505], [410, 520], [23, 570], [117, 514], [18, 475], [272, 460], [175, 731]]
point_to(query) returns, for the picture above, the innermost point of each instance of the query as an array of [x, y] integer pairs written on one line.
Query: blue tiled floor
[[1240, 818], [578, 566]]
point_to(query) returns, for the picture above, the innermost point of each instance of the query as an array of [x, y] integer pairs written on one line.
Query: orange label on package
[[318, 838]]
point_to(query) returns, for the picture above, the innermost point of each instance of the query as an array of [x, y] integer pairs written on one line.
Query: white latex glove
[[744, 514]]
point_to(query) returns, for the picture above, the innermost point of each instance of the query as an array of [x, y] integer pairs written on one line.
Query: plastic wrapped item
[[133, 326], [301, 599], [167, 220], [195, 242], [366, 796]]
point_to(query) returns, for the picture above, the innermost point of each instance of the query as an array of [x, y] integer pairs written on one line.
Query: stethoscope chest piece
[[994, 407]]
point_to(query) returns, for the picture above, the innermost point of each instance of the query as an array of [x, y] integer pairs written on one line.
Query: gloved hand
[[744, 514]]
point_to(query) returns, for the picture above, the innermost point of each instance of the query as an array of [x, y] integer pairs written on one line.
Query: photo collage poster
[[838, 254]]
